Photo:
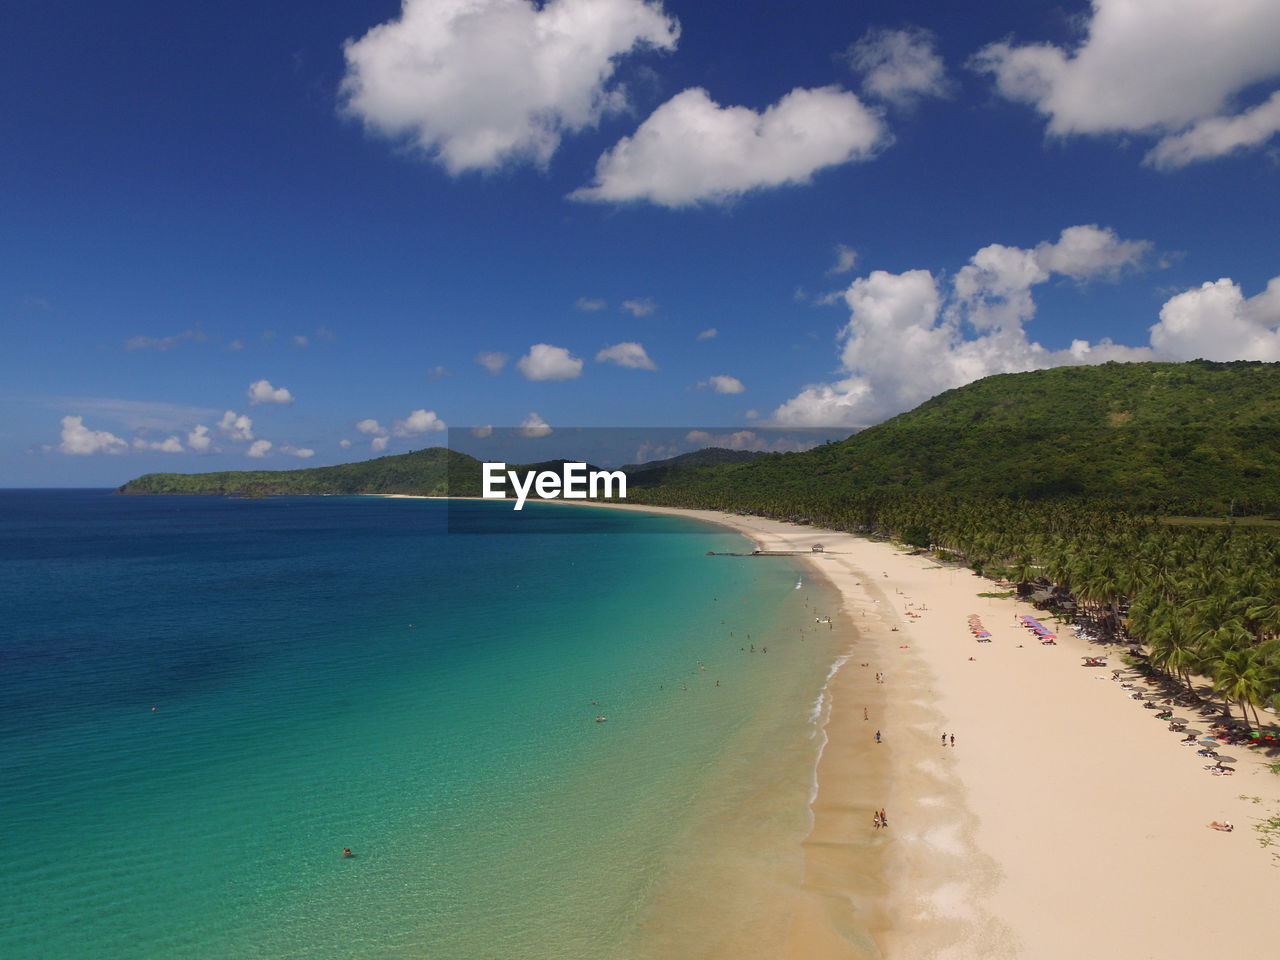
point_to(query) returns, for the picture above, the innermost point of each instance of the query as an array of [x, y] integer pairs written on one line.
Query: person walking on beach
[[944, 739], [884, 819], [877, 736], [864, 714], [953, 739]]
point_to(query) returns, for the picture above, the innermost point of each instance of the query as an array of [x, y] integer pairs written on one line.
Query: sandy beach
[[1065, 821]]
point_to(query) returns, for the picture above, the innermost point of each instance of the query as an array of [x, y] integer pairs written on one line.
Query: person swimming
[[346, 852]]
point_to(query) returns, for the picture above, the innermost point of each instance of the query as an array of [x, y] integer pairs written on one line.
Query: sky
[[240, 235]]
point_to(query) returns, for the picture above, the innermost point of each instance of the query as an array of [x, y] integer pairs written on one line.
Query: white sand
[[1066, 822]]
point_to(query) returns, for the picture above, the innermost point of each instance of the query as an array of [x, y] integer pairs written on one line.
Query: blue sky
[[245, 235]]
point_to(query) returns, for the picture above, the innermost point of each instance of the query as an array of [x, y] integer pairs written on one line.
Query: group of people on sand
[[880, 819]]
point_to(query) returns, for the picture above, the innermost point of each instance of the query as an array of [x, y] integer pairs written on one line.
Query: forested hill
[[1194, 437], [422, 472]]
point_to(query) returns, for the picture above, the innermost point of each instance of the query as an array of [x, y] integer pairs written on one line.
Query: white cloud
[[1155, 67], [723, 384], [994, 288], [302, 453], [907, 339], [236, 426], [709, 334], [80, 440], [439, 372], [167, 445], [371, 427], [640, 306], [534, 426], [478, 83], [846, 258], [261, 391], [418, 423], [747, 440], [482, 432], [198, 439], [379, 444], [235, 345], [545, 362], [1216, 322], [1218, 136], [899, 66], [344, 443], [258, 449], [627, 354], [1090, 252], [492, 361], [300, 340], [691, 150], [589, 304]]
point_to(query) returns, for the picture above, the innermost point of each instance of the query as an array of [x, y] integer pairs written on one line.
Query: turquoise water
[[205, 700]]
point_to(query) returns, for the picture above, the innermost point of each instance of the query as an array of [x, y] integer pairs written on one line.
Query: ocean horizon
[[208, 699]]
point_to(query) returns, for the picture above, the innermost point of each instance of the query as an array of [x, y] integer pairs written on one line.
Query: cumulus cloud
[[371, 427], [1216, 322], [167, 445], [709, 334], [899, 66], [691, 150], [80, 440], [994, 288], [302, 453], [627, 354], [534, 426], [198, 439], [482, 432], [909, 338], [379, 444], [748, 440], [492, 361], [589, 304], [1167, 68], [418, 423], [259, 449], [261, 391], [474, 84], [236, 426], [300, 340], [640, 306], [439, 372], [723, 384], [344, 443], [545, 362]]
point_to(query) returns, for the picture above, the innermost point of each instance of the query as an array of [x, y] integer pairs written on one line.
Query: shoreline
[[1065, 816]]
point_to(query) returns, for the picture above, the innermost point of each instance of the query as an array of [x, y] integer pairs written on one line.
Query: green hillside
[[1198, 437], [685, 467], [1192, 438]]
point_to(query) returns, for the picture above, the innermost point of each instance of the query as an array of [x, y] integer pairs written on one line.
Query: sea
[[204, 701]]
